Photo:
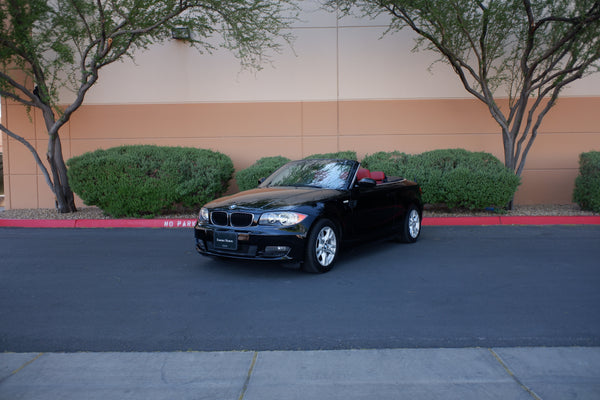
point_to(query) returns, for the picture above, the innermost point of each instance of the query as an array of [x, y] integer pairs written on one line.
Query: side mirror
[[261, 180], [367, 183]]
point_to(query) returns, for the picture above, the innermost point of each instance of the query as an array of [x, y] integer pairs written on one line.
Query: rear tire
[[322, 247], [411, 226]]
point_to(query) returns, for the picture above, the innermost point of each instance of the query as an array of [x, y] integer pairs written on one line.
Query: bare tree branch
[[65, 43], [32, 150]]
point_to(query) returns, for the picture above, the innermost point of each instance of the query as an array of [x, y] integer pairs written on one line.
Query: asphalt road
[[68, 290]]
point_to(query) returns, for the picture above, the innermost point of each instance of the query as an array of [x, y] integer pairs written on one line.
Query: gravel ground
[[82, 213], [518, 210], [430, 211]]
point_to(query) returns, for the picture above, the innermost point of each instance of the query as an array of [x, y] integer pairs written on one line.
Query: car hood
[[274, 198]]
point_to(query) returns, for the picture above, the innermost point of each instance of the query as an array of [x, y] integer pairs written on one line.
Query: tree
[[526, 51], [46, 46]]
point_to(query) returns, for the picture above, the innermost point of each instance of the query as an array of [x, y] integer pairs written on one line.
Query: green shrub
[[248, 178], [389, 162], [342, 155], [145, 180], [587, 184], [455, 177]]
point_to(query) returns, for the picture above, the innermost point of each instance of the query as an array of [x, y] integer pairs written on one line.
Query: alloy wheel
[[326, 246], [414, 223]]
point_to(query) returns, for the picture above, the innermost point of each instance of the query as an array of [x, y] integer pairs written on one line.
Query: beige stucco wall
[[248, 131], [341, 87]]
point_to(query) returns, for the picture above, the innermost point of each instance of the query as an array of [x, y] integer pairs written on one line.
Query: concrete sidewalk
[[465, 374]]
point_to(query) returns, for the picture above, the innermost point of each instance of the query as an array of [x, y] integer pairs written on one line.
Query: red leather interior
[[362, 173], [378, 176]]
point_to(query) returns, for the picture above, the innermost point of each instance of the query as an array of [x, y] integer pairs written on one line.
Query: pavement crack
[[513, 376], [16, 371], [247, 381]]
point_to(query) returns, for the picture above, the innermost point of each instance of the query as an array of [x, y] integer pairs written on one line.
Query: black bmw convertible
[[305, 209]]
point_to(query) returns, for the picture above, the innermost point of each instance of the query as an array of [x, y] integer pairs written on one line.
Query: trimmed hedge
[[455, 177], [145, 180], [587, 184], [248, 178], [342, 155]]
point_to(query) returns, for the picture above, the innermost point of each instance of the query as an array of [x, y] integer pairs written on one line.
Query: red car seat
[[378, 176], [362, 173]]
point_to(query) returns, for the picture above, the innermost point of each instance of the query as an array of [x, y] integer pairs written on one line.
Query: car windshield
[[329, 174]]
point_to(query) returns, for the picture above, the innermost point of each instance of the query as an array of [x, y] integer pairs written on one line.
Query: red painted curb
[[512, 220], [551, 220], [460, 221], [189, 223], [37, 223], [98, 223], [135, 223]]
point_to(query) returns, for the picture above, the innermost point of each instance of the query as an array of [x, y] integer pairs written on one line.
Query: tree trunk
[[65, 200], [509, 159], [509, 152]]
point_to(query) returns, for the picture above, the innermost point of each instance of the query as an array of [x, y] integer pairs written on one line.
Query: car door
[[372, 209]]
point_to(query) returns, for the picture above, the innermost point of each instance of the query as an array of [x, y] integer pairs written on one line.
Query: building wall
[[342, 87]]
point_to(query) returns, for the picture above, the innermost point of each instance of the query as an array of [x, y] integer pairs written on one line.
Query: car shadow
[[381, 252], [352, 255], [250, 268], [361, 250]]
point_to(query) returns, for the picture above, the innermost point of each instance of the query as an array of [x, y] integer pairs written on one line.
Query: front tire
[[322, 247], [411, 226]]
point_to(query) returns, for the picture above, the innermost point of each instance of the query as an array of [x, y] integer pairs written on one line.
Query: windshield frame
[[277, 178]]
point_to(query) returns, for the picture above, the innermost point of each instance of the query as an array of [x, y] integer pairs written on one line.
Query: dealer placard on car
[[226, 240]]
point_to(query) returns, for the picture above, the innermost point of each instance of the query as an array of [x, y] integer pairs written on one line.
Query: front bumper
[[252, 243]]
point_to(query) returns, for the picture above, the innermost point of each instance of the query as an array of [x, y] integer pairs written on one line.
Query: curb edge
[[189, 223]]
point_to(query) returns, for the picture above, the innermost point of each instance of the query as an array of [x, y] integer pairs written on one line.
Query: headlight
[[204, 214], [285, 218]]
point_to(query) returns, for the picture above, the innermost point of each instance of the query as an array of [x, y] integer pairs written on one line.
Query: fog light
[[276, 250]]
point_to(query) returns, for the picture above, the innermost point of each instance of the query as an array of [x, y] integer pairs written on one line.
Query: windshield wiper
[[297, 185], [308, 185]]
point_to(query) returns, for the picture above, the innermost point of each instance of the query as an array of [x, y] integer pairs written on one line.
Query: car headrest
[[378, 176], [362, 173]]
